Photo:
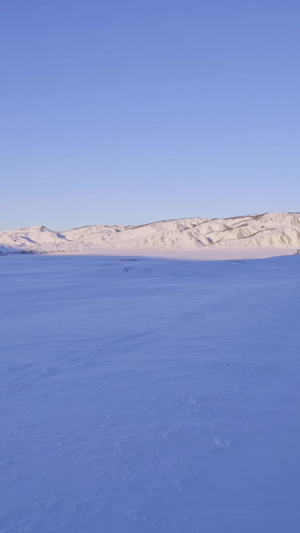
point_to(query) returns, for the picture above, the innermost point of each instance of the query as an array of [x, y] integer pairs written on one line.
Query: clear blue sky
[[129, 111]]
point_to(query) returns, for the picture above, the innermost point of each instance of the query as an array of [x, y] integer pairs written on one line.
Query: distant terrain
[[272, 233]]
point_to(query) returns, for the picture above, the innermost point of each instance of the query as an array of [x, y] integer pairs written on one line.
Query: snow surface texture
[[248, 236], [149, 395]]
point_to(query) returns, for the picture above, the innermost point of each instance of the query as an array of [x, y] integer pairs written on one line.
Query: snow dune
[[253, 235]]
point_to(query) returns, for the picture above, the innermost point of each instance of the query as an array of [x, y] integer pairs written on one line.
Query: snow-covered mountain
[[271, 231]]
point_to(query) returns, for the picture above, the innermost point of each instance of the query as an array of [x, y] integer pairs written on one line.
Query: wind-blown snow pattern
[[271, 231], [145, 395]]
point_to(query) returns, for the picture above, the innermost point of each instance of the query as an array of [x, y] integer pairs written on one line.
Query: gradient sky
[[130, 111]]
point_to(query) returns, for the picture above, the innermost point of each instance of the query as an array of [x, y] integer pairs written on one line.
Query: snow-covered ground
[[149, 395], [240, 237]]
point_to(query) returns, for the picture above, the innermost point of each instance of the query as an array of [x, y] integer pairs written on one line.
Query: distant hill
[[270, 231]]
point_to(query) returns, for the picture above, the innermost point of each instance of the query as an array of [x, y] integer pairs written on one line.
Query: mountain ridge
[[268, 230]]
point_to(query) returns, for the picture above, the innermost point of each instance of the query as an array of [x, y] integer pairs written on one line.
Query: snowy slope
[[149, 395], [271, 231]]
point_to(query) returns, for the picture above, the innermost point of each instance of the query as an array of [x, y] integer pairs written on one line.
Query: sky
[[126, 112]]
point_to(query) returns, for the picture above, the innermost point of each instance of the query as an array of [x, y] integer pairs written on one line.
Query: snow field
[[149, 395]]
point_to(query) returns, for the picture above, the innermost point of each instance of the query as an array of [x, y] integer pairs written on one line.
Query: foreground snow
[[248, 236], [147, 395]]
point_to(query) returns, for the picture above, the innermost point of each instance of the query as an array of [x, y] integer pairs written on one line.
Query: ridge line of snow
[[271, 231]]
